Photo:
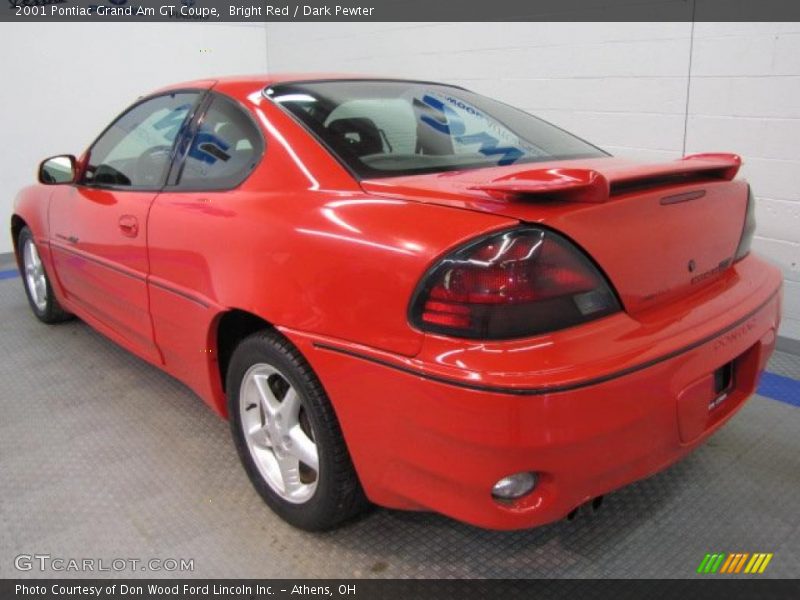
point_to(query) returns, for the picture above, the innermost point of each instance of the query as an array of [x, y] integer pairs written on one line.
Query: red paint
[[575, 185], [431, 421]]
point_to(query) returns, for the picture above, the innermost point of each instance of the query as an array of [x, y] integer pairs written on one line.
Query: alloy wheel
[[278, 433], [34, 275]]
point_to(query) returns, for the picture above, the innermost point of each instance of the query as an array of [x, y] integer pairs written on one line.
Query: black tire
[[50, 311], [338, 495]]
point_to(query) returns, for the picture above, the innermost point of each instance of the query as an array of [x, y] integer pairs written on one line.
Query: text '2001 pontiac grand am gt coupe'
[[405, 293]]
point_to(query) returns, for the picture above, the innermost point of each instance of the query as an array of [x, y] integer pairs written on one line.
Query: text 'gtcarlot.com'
[[47, 562]]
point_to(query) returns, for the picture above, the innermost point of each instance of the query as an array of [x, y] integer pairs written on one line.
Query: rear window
[[389, 128]]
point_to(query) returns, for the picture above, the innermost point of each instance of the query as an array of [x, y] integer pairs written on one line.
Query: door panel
[[98, 228], [102, 266]]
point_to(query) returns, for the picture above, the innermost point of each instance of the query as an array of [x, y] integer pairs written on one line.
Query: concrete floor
[[105, 457]]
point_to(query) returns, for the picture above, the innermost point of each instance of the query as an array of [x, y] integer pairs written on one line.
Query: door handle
[[129, 225]]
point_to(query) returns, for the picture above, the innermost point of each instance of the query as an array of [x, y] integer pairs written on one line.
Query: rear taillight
[[517, 283], [749, 227]]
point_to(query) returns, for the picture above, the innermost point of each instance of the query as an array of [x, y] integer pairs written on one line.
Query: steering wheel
[[151, 164]]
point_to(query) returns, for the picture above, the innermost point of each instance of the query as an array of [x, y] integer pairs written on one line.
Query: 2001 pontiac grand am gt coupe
[[407, 293]]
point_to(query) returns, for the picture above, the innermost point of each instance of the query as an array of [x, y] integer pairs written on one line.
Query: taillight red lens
[[513, 284]]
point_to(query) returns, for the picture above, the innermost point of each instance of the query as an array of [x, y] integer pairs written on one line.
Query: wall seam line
[[266, 46], [689, 80]]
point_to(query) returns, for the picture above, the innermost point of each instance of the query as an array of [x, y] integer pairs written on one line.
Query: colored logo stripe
[[710, 563], [725, 568], [737, 562], [758, 563], [765, 563], [703, 564]]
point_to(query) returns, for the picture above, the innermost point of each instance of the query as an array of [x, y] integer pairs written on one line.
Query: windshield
[[388, 128]]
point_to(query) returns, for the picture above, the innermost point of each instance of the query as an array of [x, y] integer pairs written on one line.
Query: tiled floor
[[105, 457]]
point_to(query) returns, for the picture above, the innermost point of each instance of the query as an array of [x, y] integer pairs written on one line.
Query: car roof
[[265, 80]]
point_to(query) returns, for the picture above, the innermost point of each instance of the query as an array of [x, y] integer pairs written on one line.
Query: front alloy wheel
[[34, 275], [41, 298]]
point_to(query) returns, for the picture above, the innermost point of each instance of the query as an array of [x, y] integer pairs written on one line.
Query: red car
[[404, 293]]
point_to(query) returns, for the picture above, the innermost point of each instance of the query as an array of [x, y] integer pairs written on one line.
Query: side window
[[225, 149], [135, 151]]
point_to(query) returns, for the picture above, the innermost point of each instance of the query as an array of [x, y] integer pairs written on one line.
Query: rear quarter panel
[[298, 244]]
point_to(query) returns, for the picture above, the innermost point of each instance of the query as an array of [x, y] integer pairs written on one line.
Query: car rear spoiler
[[587, 185]]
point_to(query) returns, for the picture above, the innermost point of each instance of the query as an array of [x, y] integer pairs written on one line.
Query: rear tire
[[287, 435], [41, 298]]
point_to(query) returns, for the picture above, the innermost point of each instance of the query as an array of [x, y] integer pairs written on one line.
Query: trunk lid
[[658, 231]]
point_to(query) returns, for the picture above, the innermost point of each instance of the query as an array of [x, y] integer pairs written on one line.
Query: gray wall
[[650, 91]]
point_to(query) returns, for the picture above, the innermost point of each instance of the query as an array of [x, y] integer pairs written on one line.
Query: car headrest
[[229, 134], [359, 135]]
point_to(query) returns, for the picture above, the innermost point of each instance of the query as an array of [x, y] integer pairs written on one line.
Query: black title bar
[[701, 588], [397, 10]]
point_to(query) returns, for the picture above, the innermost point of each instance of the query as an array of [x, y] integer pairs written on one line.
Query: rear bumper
[[424, 436]]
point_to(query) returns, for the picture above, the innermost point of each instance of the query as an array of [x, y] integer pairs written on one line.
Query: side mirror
[[57, 170]]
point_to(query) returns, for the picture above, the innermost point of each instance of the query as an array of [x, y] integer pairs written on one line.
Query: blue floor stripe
[[780, 388], [10, 274]]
